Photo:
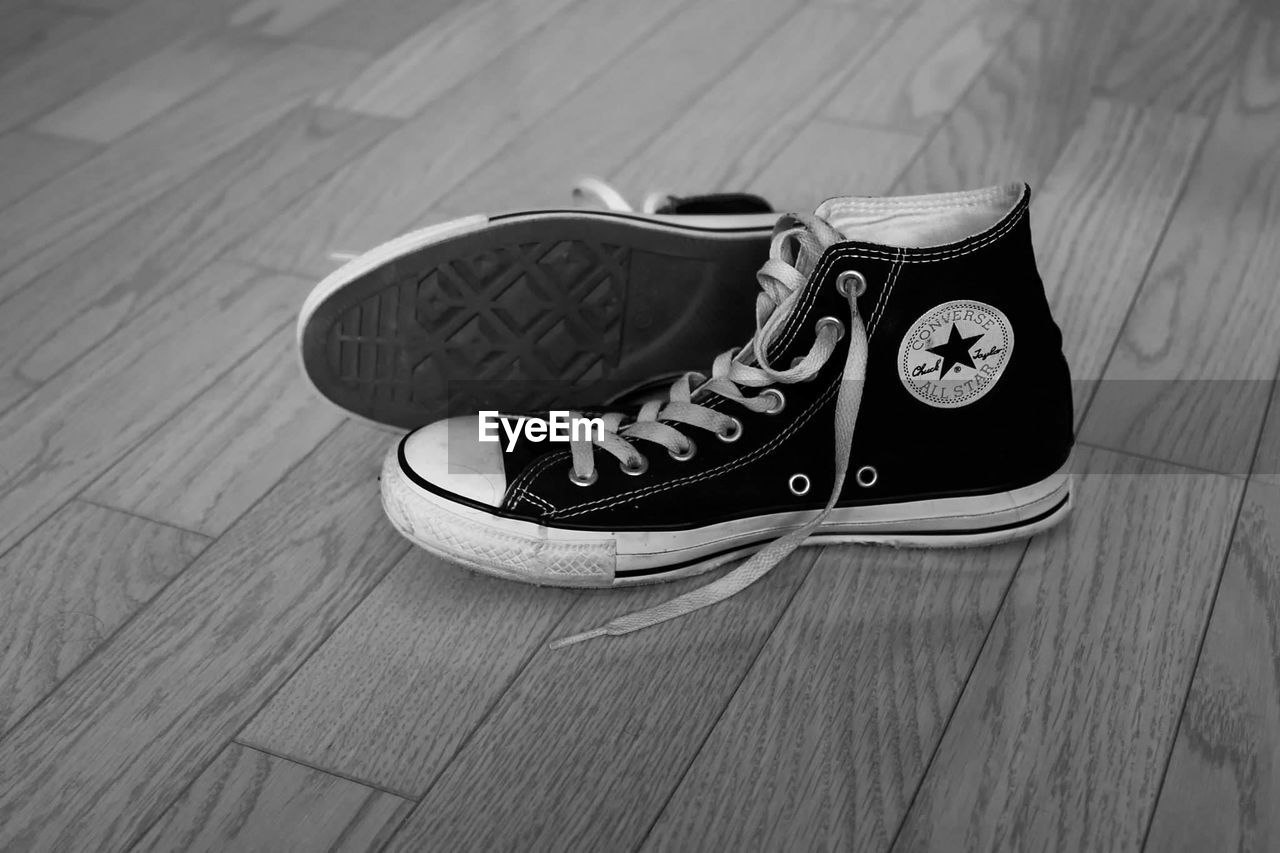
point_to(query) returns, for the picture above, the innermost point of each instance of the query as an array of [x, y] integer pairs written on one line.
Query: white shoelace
[[590, 190], [798, 242]]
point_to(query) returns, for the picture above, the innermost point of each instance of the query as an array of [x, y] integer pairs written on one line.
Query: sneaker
[[905, 385], [531, 310]]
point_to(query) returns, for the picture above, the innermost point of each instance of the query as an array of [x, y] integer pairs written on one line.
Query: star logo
[[955, 353]]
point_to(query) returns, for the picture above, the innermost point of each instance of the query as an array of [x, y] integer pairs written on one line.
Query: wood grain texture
[[1099, 218], [69, 585], [920, 70], [588, 743], [1190, 377], [78, 207], [243, 798], [31, 159], [218, 456], [373, 26], [724, 137], [69, 66], [832, 158], [1266, 462], [102, 758], [397, 183], [1179, 56], [1013, 121], [63, 314], [660, 79], [429, 63], [280, 17], [63, 436], [27, 29], [141, 92], [1224, 778], [399, 687], [1059, 739], [844, 706]]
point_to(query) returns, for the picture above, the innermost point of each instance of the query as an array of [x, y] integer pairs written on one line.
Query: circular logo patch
[[955, 353]]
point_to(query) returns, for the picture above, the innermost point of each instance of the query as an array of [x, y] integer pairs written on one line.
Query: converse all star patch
[[955, 353], [883, 339]]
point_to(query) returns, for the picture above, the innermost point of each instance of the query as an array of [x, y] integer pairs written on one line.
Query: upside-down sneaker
[[905, 385], [525, 311]]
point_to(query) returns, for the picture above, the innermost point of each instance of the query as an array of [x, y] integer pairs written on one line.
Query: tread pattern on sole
[[549, 311]]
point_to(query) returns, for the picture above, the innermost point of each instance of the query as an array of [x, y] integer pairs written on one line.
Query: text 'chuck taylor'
[[905, 385]]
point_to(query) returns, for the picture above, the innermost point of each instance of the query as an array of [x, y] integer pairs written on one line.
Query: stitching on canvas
[[520, 489], [884, 296]]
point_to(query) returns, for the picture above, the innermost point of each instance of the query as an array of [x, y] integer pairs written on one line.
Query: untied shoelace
[[798, 242]]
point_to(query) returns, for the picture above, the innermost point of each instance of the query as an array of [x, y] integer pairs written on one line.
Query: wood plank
[[844, 706], [399, 181], [590, 134], [724, 138], [76, 208], [429, 63], [1013, 121], [1224, 776], [223, 452], [49, 324], [1060, 736], [399, 687], [921, 69], [247, 800], [76, 426], [1179, 56], [1099, 218], [72, 65], [1266, 462], [1190, 377], [588, 742], [280, 17], [141, 92], [31, 159], [374, 26], [28, 29], [69, 585], [104, 756], [839, 159]]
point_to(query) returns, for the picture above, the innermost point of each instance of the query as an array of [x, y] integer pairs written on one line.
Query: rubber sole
[[552, 556], [527, 312]]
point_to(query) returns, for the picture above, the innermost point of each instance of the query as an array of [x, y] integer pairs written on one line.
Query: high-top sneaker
[[529, 310], [905, 385]]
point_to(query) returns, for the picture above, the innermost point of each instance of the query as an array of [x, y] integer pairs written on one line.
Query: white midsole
[[529, 551]]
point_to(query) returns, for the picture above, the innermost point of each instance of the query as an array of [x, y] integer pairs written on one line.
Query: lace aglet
[[574, 639]]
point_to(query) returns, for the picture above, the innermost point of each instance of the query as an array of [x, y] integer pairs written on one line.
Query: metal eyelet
[[779, 401], [830, 321], [851, 279], [866, 476], [733, 433], [583, 481], [686, 454], [799, 485], [637, 470]]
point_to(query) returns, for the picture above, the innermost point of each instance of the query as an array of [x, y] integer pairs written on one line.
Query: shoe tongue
[[922, 220]]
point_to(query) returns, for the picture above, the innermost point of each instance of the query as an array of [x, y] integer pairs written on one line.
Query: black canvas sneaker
[[905, 385], [532, 310]]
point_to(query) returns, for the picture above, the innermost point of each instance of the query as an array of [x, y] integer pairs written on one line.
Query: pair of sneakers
[[884, 370]]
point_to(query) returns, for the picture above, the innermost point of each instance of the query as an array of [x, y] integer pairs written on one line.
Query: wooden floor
[[210, 639]]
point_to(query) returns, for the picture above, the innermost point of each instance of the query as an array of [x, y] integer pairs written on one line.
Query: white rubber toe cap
[[449, 455]]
